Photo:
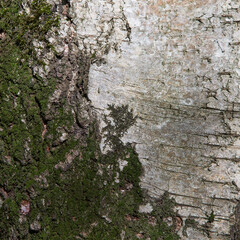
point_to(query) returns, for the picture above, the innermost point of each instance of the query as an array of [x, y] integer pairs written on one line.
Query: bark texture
[[176, 64], [167, 69], [55, 181]]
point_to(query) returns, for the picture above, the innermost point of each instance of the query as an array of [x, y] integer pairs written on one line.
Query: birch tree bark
[[176, 64], [169, 70]]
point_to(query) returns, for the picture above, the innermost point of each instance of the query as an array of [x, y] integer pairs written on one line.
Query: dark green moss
[[211, 217], [120, 120]]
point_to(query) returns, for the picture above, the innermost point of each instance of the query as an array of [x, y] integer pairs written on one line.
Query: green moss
[[211, 217], [120, 120]]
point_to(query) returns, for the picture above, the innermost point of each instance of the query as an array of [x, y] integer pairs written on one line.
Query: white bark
[[176, 64]]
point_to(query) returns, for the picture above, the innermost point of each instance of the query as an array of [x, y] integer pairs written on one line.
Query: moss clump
[[210, 217], [120, 120], [22, 97], [21, 91], [21, 28]]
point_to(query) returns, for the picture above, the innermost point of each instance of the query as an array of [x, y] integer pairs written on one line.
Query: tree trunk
[[119, 119], [178, 70]]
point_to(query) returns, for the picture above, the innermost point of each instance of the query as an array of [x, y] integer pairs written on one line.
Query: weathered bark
[[175, 64], [55, 181]]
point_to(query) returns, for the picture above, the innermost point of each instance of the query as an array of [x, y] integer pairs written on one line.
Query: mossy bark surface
[[55, 182]]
